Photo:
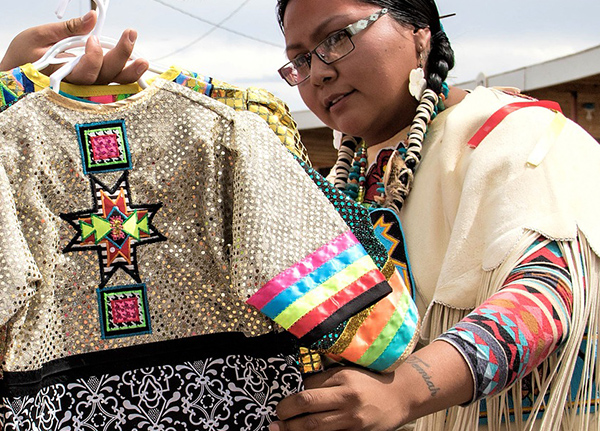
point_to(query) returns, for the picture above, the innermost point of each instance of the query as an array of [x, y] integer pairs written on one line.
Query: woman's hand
[[95, 67], [431, 379], [343, 399]]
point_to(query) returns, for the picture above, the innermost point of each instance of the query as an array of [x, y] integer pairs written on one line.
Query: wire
[[215, 26], [195, 41]]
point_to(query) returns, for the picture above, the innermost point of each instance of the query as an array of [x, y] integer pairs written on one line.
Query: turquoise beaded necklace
[[355, 187]]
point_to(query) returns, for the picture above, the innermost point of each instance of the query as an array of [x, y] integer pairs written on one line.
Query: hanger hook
[[102, 7]]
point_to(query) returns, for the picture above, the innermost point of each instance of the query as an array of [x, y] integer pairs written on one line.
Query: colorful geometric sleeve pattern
[[14, 84], [516, 329], [346, 299], [6, 96]]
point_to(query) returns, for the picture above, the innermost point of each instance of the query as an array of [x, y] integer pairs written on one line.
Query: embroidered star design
[[114, 227]]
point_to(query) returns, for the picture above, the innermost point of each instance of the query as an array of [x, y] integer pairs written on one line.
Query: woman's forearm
[[432, 379]]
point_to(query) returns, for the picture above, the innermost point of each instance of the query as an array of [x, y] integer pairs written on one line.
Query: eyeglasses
[[333, 48]]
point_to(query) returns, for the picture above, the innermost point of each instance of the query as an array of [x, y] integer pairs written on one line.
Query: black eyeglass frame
[[305, 59]]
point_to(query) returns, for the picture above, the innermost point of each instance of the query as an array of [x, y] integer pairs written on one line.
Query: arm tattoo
[[418, 364]]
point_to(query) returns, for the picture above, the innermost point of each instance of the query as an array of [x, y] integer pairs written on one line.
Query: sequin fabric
[[230, 197], [274, 111], [254, 99]]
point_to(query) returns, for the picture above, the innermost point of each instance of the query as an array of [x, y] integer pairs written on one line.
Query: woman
[[363, 91], [498, 225]]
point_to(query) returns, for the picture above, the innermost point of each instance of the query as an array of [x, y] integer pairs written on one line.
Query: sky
[[246, 47]]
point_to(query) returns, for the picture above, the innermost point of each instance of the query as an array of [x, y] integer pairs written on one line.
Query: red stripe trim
[[377, 320], [502, 113], [320, 313]]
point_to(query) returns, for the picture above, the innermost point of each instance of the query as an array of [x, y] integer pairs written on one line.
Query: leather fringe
[[553, 377]]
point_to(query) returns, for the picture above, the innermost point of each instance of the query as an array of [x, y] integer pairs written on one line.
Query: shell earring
[[416, 80]]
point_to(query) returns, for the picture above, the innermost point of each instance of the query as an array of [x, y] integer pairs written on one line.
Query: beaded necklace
[[357, 177], [355, 187]]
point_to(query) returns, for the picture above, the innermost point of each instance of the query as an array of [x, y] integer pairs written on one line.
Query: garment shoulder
[[14, 118], [254, 135], [196, 98], [486, 109], [273, 110]]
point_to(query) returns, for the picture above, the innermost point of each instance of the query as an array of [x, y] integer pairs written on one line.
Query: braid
[[439, 61], [402, 171]]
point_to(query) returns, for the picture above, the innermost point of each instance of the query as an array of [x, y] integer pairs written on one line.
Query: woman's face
[[365, 93]]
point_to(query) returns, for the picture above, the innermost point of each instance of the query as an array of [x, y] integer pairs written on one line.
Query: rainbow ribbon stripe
[[388, 334], [329, 286]]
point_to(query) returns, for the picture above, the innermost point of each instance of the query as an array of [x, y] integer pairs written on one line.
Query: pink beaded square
[[125, 310], [105, 147]]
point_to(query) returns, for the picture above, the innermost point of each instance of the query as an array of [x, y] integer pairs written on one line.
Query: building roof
[[550, 73]]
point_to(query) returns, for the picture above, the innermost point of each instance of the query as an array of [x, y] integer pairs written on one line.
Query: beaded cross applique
[[114, 227]]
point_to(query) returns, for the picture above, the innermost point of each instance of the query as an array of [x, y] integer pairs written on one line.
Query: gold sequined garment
[[27, 79], [131, 226]]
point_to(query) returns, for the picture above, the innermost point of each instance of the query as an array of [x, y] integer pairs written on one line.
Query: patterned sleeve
[[345, 300], [516, 329], [12, 85], [382, 336]]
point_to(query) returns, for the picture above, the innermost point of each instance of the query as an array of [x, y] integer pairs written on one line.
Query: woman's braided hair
[[417, 14]]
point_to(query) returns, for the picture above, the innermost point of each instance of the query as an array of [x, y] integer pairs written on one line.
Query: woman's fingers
[[323, 379], [95, 67], [31, 44], [132, 72], [346, 399], [326, 421], [58, 31], [88, 69], [310, 401], [115, 68]]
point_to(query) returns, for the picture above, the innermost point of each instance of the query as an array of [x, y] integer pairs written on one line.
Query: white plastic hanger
[[57, 77], [51, 56]]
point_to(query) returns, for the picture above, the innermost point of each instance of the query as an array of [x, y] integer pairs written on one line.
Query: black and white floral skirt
[[200, 391]]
